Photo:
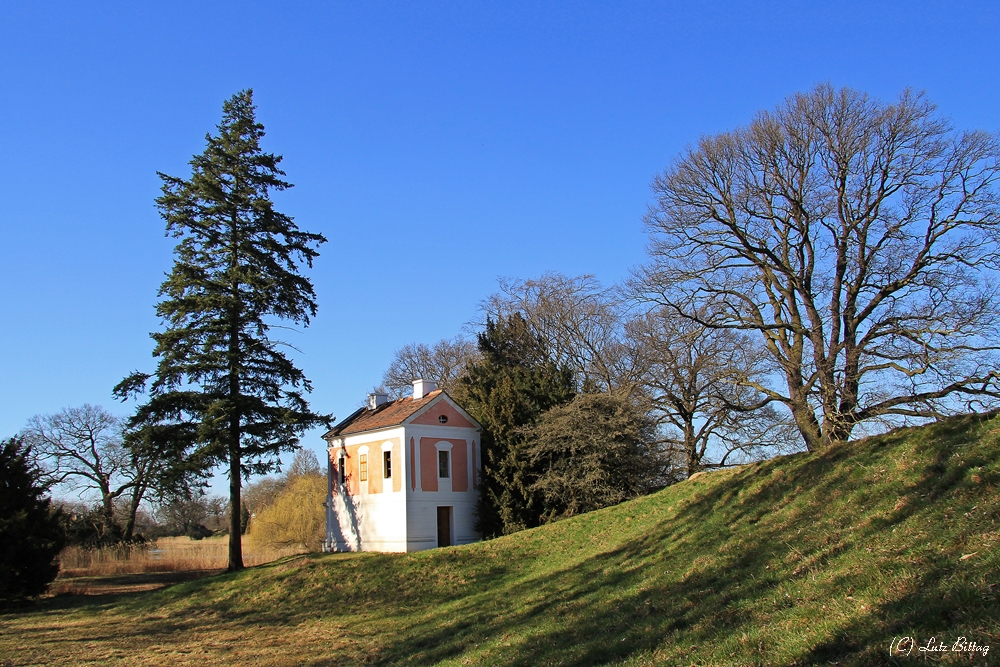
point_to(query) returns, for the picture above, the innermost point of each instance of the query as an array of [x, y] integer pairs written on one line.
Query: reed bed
[[168, 554]]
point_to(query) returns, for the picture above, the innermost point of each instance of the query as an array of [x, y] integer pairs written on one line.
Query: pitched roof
[[388, 414]]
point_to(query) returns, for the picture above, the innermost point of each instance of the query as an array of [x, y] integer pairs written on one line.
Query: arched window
[[444, 459]]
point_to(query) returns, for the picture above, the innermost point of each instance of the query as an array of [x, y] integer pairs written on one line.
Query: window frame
[[444, 457]]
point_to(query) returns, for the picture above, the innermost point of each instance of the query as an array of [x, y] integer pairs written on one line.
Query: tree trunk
[[836, 431], [691, 447], [138, 491], [235, 538], [130, 523], [805, 419], [235, 474], [108, 510]]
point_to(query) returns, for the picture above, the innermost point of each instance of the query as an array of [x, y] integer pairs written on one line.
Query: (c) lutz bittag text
[[906, 646]]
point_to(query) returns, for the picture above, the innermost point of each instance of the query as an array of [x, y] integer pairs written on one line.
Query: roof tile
[[388, 414]]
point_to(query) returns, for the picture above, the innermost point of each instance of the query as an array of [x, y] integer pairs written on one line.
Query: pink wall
[[428, 464], [374, 470], [459, 466], [353, 470], [413, 467], [442, 407]]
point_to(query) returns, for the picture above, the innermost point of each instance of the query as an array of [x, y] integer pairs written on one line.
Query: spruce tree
[[513, 383], [223, 392], [30, 534]]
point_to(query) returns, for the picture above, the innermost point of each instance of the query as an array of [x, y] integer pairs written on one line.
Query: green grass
[[808, 559]]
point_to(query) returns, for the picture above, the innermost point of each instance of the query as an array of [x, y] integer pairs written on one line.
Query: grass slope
[[809, 559]]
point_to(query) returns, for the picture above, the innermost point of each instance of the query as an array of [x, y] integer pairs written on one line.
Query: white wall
[[404, 520]]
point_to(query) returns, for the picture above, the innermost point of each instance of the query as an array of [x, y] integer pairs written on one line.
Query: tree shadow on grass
[[594, 612], [726, 563], [103, 590], [643, 596], [120, 584], [605, 610]]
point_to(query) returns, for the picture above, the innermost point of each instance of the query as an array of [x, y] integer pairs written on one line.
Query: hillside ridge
[[806, 559]]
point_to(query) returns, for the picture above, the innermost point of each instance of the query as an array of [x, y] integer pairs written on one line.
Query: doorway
[[444, 526]]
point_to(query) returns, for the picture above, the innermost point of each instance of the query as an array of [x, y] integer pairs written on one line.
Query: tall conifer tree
[[223, 392], [509, 387]]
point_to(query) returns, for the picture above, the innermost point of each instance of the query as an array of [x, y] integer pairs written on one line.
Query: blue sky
[[438, 146]]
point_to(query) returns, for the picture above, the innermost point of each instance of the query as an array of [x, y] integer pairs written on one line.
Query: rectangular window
[[443, 464], [387, 464], [363, 461], [342, 467]]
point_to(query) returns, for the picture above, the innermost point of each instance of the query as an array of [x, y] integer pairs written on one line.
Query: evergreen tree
[[223, 392], [512, 384], [30, 532], [595, 451]]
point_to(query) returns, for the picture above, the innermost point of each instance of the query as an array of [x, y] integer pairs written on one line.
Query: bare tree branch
[[444, 363], [84, 449], [858, 241]]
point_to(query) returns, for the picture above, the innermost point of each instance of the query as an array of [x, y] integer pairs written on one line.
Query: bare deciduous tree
[[858, 240], [261, 494], [684, 372], [305, 462], [444, 363], [581, 323], [696, 381], [83, 448], [196, 516]]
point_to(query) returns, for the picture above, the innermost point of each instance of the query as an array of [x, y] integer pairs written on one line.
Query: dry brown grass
[[168, 560], [168, 554]]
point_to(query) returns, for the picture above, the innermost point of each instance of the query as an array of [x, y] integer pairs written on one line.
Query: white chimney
[[376, 399], [422, 387]]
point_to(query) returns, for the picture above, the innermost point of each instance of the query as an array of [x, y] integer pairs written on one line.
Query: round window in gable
[[443, 419]]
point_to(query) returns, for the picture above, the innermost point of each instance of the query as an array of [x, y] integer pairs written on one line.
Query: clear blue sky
[[436, 145]]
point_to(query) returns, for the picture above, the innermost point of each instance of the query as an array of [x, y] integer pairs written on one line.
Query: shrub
[[595, 451], [295, 518]]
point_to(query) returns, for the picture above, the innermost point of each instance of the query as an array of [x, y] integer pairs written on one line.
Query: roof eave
[[336, 430]]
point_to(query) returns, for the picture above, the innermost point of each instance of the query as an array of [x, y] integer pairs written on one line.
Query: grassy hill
[[808, 559]]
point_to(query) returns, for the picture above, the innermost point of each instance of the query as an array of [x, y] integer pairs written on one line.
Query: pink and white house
[[403, 475]]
